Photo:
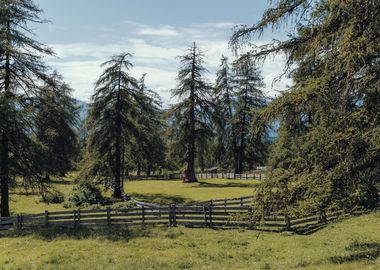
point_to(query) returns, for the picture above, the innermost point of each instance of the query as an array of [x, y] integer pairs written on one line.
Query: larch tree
[[55, 121], [248, 84], [327, 154], [21, 71], [191, 114], [149, 147], [111, 123], [223, 92]]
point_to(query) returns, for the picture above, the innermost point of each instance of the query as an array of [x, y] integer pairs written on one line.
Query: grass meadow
[[352, 243], [348, 244]]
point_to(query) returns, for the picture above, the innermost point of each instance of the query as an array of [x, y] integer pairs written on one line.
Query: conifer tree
[[193, 109], [149, 148], [248, 83], [56, 117], [328, 150], [21, 69], [224, 114], [112, 122]]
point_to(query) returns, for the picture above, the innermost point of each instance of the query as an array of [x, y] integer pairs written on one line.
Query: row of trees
[[126, 130]]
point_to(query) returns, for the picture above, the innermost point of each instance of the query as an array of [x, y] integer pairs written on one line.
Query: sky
[[85, 33]]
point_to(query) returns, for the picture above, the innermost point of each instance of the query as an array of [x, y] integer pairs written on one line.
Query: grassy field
[[350, 244], [174, 191], [158, 191]]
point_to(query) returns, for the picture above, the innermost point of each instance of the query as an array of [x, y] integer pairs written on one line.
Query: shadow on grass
[[225, 185], [24, 193], [310, 229], [62, 182], [160, 198], [359, 251], [114, 233]]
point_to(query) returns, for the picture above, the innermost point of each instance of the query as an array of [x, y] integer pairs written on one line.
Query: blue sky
[[84, 33]]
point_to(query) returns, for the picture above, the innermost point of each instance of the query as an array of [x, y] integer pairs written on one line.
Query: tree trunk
[[148, 169], [242, 136], [117, 189], [4, 175], [4, 150], [138, 168], [189, 174]]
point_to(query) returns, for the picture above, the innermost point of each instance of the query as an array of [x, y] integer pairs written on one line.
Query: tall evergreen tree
[[56, 117], [192, 112], [149, 148], [248, 83], [111, 122], [224, 114], [21, 69]]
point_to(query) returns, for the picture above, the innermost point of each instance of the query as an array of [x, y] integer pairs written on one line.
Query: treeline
[[128, 130], [327, 152]]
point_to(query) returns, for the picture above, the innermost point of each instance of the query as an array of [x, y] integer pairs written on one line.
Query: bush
[[84, 194], [53, 197]]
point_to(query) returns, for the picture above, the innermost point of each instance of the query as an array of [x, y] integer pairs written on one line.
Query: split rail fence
[[215, 213]]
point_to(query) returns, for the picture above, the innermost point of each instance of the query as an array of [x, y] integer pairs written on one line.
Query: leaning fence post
[[108, 216], [46, 218]]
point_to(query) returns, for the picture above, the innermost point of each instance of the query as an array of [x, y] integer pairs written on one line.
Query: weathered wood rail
[[214, 213]]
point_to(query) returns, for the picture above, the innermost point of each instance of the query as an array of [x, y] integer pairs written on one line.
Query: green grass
[[174, 191], [157, 191], [29, 202], [351, 244]]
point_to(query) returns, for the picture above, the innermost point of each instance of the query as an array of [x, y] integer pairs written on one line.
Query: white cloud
[[155, 49]]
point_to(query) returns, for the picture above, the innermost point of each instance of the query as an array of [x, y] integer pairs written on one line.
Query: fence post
[[210, 214], [287, 222], [241, 201], [260, 175], [225, 205], [143, 214], [108, 216], [322, 216], [21, 221], [46, 218], [75, 218], [174, 216], [78, 216], [17, 224], [205, 214]]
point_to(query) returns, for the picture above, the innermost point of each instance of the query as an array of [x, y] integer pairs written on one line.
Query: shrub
[[85, 193], [54, 196]]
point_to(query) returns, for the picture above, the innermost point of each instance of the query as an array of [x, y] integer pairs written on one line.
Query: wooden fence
[[215, 213], [223, 175], [243, 176]]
